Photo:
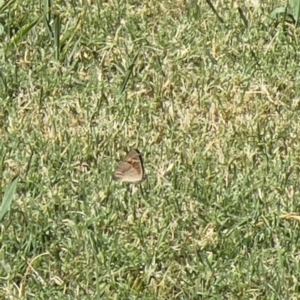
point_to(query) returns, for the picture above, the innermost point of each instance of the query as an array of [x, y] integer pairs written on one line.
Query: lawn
[[212, 101]]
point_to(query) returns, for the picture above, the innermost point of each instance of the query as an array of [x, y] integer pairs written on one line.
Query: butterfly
[[131, 169]]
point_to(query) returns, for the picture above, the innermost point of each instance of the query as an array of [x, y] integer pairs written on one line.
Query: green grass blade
[[4, 5], [48, 17], [278, 11], [285, 13], [7, 198], [296, 10], [57, 28], [215, 11], [129, 72], [23, 33]]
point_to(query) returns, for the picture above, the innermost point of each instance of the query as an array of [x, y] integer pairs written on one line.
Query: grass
[[214, 108]]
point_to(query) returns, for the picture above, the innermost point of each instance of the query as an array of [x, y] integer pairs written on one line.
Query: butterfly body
[[131, 169]]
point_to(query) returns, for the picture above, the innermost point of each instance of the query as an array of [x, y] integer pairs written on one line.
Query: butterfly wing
[[131, 170]]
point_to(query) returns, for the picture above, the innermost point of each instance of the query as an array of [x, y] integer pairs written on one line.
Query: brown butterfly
[[131, 169]]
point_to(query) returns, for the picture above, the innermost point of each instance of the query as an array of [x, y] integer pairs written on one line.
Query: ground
[[210, 99]]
